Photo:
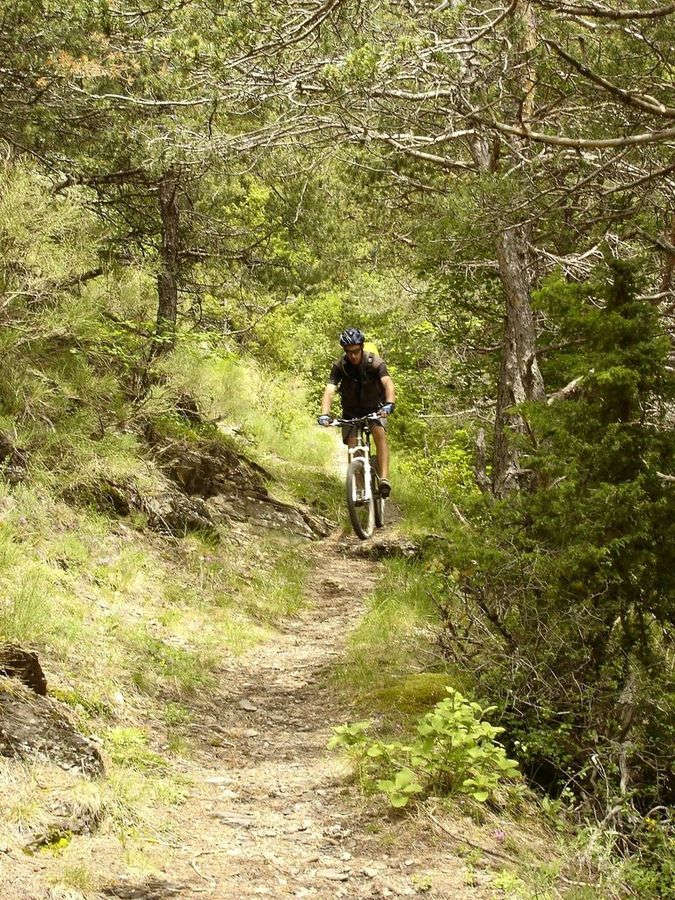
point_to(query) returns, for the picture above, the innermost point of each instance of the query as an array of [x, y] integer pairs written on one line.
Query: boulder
[[33, 725], [384, 548]]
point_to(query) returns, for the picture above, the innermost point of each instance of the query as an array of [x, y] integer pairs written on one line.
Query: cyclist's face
[[354, 353]]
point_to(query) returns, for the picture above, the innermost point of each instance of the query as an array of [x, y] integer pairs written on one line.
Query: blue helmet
[[351, 336]]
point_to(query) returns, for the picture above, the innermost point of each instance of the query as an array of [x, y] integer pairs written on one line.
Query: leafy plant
[[401, 788], [455, 751]]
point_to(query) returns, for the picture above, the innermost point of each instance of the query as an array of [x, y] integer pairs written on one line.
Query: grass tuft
[[397, 634]]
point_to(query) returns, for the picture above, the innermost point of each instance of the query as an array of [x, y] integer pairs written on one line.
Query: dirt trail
[[277, 815], [270, 811]]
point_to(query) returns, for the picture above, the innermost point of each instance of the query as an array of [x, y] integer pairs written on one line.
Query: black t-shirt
[[360, 387]]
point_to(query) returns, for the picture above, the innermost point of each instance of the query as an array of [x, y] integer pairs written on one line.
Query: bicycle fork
[[361, 493]]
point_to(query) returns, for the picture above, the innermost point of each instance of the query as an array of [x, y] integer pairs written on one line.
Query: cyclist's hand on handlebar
[[387, 409], [325, 420]]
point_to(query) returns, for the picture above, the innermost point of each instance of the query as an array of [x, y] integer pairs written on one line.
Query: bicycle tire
[[378, 502], [361, 514]]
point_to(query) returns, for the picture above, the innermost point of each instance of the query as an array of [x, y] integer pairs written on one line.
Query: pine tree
[[574, 578]]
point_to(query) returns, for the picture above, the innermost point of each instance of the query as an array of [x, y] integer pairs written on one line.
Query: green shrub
[[651, 870], [454, 752]]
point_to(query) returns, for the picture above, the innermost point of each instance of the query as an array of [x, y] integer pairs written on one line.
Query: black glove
[[324, 420], [387, 408]]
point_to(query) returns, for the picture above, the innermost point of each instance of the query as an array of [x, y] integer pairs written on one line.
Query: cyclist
[[365, 387]]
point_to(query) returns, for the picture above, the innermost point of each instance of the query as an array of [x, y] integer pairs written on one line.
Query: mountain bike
[[362, 485]]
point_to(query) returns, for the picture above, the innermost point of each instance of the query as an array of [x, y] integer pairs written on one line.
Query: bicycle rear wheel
[[361, 511]]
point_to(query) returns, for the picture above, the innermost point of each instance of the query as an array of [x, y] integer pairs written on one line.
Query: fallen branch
[[464, 840]]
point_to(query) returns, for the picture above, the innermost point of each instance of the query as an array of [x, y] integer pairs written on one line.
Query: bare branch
[[630, 98], [596, 10], [489, 27], [143, 101], [657, 173], [566, 392], [649, 137]]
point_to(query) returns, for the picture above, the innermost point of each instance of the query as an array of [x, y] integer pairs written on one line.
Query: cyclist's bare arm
[[327, 399], [388, 386]]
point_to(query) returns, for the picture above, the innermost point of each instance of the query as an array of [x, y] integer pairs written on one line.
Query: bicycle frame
[[361, 451]]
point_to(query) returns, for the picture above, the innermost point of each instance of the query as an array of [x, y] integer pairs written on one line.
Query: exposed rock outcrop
[[198, 487], [234, 488], [267, 512], [385, 548], [208, 468], [33, 725], [168, 509], [15, 662]]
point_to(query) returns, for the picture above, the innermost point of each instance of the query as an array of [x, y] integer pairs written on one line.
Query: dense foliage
[[572, 578]]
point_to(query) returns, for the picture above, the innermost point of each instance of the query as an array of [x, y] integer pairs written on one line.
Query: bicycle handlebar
[[361, 419]]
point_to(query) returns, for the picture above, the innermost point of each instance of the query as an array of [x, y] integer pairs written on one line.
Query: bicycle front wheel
[[378, 503], [361, 510]]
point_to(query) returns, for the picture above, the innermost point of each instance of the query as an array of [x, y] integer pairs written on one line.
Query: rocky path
[[277, 814]]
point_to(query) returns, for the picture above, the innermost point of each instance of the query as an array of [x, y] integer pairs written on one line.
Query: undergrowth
[[393, 665], [453, 750]]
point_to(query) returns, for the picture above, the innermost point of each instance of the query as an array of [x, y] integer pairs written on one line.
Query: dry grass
[[132, 630]]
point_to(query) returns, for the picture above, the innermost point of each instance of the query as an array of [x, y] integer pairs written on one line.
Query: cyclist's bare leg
[[382, 447]]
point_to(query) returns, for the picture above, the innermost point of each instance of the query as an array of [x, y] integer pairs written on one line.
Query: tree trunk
[[167, 277], [519, 379]]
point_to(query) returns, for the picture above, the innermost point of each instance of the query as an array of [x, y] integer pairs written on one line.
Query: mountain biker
[[365, 387]]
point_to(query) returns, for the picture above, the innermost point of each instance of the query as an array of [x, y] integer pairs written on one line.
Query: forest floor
[[274, 813], [265, 809], [270, 811]]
